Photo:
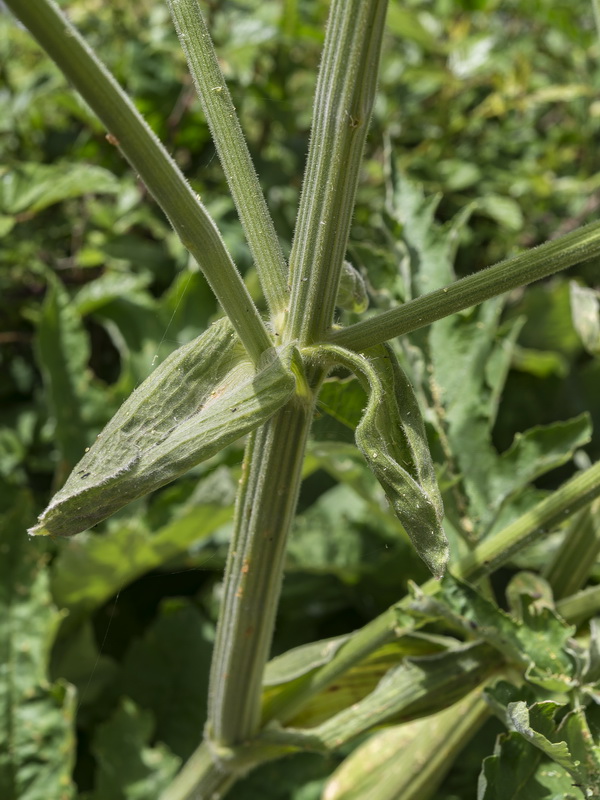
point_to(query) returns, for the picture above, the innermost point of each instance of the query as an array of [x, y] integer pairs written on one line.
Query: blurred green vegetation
[[492, 107]]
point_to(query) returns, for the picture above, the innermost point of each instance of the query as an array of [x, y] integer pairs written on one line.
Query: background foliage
[[483, 141]]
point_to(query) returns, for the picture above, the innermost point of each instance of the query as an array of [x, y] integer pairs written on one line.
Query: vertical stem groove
[[264, 512], [343, 104], [233, 152]]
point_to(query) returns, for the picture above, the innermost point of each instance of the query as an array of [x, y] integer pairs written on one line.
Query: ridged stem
[[202, 778], [539, 262], [342, 111], [265, 510], [233, 152], [574, 560], [130, 133]]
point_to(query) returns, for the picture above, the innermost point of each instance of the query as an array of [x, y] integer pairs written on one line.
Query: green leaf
[[351, 687], [418, 687], [537, 643], [539, 363], [166, 672], [63, 352], [344, 400], [33, 187], [504, 210], [517, 771], [37, 746], [203, 397], [90, 571], [78, 659], [339, 534], [391, 436], [536, 452], [110, 286], [569, 742], [431, 246], [352, 293], [585, 308], [301, 660], [407, 761], [128, 769]]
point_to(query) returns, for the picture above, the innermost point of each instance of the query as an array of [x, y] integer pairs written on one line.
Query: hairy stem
[[265, 509], [343, 104], [540, 262], [202, 777], [150, 160], [233, 152]]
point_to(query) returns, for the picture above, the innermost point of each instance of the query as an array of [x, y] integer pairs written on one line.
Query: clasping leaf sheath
[[391, 436], [204, 396]]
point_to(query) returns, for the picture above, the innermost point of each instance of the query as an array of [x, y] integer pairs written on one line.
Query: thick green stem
[[574, 560], [520, 270], [264, 513], [343, 104], [233, 152], [581, 606], [202, 777], [496, 550], [148, 157]]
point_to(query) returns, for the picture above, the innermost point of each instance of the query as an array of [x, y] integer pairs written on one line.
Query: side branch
[[540, 262]]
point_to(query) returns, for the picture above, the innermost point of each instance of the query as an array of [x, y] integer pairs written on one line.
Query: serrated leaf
[[569, 743], [537, 451], [517, 771], [203, 397], [128, 769], [37, 747], [537, 643]]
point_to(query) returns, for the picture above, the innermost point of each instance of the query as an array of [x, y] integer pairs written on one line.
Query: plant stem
[[343, 104], [233, 152], [539, 262], [581, 606], [264, 512], [496, 550], [574, 560], [201, 778], [150, 160]]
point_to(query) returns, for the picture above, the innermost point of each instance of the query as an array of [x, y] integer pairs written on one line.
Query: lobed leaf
[[203, 397], [538, 643]]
